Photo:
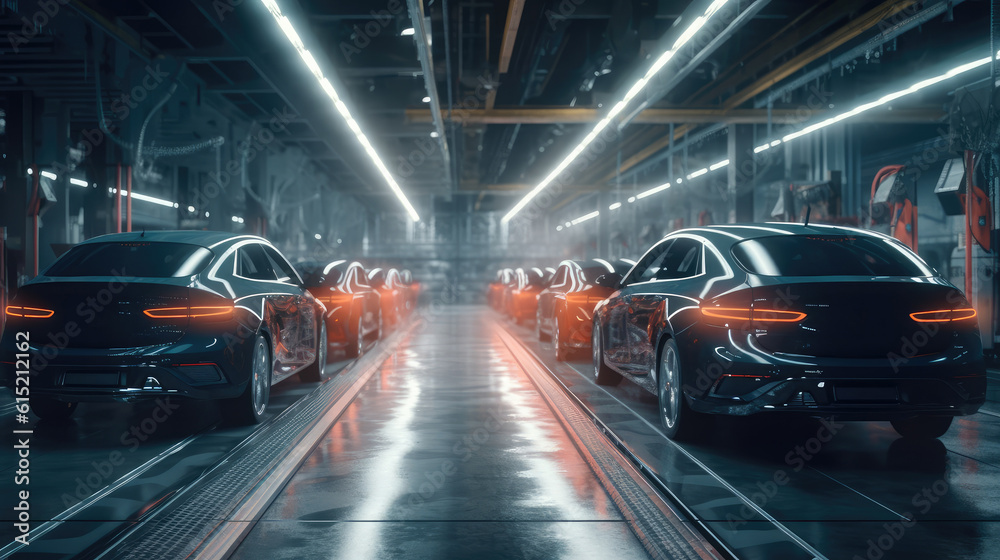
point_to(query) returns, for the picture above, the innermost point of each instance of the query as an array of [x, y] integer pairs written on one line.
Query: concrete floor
[[449, 452]]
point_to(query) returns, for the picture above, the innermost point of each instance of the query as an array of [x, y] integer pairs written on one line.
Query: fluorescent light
[[296, 41], [586, 217], [887, 98], [434, 134], [615, 206], [698, 173], [679, 180], [49, 175], [653, 191], [318, 237], [30, 171], [236, 218], [407, 32], [718, 165], [426, 99], [631, 199], [146, 198], [190, 208], [78, 182], [569, 224], [632, 93], [207, 214], [559, 227], [761, 148]]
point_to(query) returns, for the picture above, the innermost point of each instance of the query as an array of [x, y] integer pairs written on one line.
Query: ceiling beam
[[825, 46], [514, 10]]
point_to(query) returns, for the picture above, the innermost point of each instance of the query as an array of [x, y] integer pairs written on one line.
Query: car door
[[367, 299], [679, 266], [547, 298], [619, 330], [297, 313]]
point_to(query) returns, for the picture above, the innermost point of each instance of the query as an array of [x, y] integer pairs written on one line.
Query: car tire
[[357, 346], [562, 351], [314, 372], [603, 374], [51, 409], [922, 427], [542, 336], [249, 408], [678, 420]]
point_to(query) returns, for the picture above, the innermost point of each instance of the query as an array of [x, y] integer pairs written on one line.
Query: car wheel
[[603, 374], [677, 418], [249, 407], [358, 344], [542, 337], [314, 372], [922, 427], [562, 351], [51, 409]]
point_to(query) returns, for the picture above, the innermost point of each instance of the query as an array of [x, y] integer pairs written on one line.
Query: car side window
[[560, 278], [360, 279], [282, 269], [682, 260], [253, 264], [649, 267]]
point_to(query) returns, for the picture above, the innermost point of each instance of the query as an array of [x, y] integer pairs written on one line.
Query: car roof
[[194, 237], [728, 234]]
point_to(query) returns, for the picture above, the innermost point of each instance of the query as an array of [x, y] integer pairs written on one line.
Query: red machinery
[[898, 201]]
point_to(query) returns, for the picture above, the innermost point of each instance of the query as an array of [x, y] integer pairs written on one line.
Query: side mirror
[[611, 281]]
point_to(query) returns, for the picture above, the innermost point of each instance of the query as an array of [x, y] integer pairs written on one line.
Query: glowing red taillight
[[29, 312], [754, 314], [217, 311], [944, 315]]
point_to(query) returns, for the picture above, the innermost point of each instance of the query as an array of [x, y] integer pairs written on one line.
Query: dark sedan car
[[566, 306], [820, 320], [134, 316], [353, 313]]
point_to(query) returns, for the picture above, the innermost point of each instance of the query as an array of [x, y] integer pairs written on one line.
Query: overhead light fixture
[[318, 237], [147, 198], [653, 191], [718, 165], [615, 206], [568, 224], [956, 71], [426, 99], [49, 175], [632, 93], [78, 182], [559, 228], [407, 32], [190, 208], [324, 82], [434, 134], [586, 217], [696, 174], [631, 199], [31, 171]]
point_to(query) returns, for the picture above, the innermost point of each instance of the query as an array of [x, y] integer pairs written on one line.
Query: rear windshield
[[139, 259], [827, 255]]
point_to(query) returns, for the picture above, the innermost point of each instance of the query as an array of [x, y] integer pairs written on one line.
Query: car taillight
[[29, 312], [944, 315], [753, 314], [216, 311]]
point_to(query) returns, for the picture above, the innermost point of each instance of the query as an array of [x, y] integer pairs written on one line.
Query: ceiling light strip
[[632, 93], [296, 41]]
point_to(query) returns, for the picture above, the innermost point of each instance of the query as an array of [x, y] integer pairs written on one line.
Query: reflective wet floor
[[449, 452]]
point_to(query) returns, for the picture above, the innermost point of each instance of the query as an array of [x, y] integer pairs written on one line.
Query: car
[[521, 296], [566, 306], [810, 319], [134, 316], [495, 290], [392, 294], [353, 308], [412, 289]]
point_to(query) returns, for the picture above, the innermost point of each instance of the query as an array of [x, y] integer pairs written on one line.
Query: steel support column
[[739, 199]]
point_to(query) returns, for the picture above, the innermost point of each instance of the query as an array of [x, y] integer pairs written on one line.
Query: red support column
[[969, 163], [118, 199], [128, 200]]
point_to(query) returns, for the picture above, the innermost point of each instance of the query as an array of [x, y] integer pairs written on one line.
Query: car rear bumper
[[945, 383], [196, 366]]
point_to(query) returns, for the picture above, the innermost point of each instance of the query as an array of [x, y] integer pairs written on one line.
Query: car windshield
[[139, 259], [827, 255]]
